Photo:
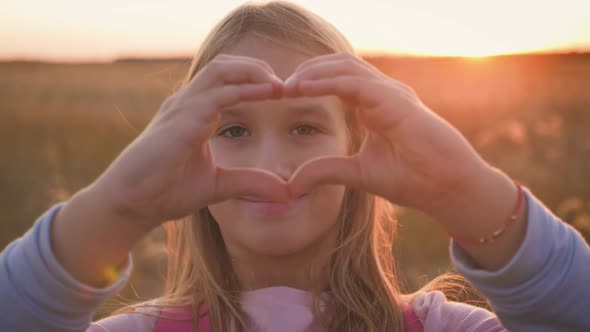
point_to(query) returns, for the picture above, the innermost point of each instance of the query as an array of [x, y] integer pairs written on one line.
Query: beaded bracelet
[[507, 223]]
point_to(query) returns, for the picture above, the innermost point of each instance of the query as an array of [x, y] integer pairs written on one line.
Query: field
[[62, 124]]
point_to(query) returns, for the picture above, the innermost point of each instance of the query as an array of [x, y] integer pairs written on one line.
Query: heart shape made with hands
[[409, 154], [363, 169]]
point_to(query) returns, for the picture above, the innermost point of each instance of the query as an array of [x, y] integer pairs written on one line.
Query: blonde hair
[[361, 274]]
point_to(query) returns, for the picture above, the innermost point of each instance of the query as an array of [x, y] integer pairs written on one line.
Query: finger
[[324, 58], [326, 170], [326, 69], [238, 70], [196, 118], [341, 56], [205, 106], [243, 71], [356, 90], [229, 95], [380, 105], [250, 182], [226, 70], [243, 58]]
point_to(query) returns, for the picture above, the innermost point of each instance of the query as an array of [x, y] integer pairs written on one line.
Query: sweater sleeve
[[544, 288], [38, 294]]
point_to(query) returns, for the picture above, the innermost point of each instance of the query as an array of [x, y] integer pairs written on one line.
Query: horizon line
[[362, 53]]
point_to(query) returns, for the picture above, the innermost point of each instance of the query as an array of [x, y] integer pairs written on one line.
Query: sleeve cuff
[[523, 276], [46, 287], [520, 266], [65, 278]]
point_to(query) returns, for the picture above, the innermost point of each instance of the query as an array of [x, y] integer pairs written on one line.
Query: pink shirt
[[288, 310]]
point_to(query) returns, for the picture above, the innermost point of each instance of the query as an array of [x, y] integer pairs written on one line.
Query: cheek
[[231, 154]]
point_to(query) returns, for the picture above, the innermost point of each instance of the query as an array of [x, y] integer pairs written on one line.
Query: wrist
[[123, 213], [470, 195], [483, 210], [502, 228], [91, 242]]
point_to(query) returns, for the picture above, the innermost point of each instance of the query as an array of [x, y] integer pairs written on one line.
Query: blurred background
[[79, 81]]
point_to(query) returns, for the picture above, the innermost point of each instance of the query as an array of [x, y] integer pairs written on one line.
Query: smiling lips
[[269, 207]]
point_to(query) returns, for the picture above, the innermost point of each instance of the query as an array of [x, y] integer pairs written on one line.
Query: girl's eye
[[233, 132], [305, 130]]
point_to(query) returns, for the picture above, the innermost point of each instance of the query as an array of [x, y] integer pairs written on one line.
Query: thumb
[[234, 182], [326, 170]]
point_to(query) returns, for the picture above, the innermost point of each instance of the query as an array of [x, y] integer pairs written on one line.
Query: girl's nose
[[276, 159], [278, 166], [284, 172]]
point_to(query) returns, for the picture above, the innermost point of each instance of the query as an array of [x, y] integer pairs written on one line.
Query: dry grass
[[61, 126]]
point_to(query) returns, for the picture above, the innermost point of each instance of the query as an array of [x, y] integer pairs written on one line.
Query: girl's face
[[278, 136]]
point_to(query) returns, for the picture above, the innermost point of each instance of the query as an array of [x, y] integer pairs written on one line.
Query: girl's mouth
[[269, 207]]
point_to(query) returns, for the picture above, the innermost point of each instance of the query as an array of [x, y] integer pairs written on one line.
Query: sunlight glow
[[73, 30]]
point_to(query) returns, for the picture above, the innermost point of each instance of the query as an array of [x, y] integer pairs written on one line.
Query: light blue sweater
[[545, 287]]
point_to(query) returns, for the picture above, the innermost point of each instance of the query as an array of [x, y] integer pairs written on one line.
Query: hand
[[410, 156], [168, 171]]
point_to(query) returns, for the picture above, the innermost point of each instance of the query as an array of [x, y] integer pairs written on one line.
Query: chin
[[274, 229]]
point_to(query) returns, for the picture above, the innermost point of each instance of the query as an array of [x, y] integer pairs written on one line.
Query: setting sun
[[71, 30]]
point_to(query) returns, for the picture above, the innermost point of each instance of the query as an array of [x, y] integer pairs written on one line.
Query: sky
[[73, 30]]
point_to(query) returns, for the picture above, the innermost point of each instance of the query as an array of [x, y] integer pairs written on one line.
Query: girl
[[275, 160]]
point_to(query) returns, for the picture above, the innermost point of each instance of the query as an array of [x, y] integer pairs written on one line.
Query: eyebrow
[[300, 111]]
